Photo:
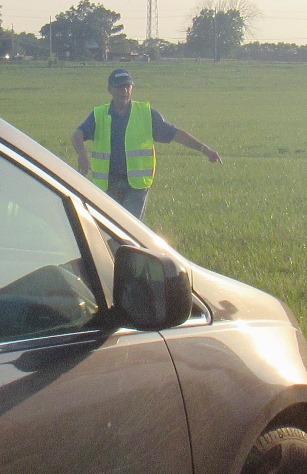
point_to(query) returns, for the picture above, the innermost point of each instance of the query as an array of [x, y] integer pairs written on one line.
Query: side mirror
[[151, 291]]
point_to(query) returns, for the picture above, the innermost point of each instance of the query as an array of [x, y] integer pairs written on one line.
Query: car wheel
[[279, 451]]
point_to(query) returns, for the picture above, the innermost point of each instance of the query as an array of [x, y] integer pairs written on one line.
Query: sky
[[279, 20]]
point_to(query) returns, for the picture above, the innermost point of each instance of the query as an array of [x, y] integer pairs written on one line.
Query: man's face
[[121, 95]]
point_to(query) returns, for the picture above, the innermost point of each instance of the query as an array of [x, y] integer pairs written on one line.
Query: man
[[123, 154]]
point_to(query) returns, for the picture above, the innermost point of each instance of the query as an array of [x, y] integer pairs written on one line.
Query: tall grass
[[247, 218]]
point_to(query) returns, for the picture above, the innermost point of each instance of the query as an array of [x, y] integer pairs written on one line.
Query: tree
[[156, 48], [122, 48], [26, 44], [1, 32], [219, 27], [248, 10], [272, 52], [6, 44], [215, 34], [83, 31]]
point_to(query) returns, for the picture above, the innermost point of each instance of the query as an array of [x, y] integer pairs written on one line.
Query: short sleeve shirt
[[162, 131]]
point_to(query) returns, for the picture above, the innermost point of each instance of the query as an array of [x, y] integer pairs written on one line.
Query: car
[[118, 355]]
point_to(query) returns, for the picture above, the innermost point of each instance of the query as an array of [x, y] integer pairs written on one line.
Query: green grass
[[246, 219]]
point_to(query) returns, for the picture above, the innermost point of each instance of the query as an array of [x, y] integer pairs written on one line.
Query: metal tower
[[152, 19]]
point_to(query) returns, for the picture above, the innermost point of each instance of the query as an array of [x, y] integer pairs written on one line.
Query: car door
[[75, 394]]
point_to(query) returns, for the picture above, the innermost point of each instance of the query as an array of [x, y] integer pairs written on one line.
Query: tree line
[[89, 31]]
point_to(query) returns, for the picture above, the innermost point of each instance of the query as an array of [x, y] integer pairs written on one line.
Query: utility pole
[[215, 37], [152, 19], [50, 38], [51, 60], [13, 43]]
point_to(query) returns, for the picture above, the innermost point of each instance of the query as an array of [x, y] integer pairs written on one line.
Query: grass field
[[246, 219]]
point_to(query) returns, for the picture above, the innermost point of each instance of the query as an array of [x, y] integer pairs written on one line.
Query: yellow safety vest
[[139, 147]]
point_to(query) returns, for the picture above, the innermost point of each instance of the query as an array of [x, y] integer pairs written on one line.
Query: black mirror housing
[[151, 291]]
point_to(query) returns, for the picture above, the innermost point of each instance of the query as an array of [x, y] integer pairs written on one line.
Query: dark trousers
[[134, 200]]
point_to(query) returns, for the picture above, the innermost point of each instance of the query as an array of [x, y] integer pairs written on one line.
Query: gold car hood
[[230, 299]]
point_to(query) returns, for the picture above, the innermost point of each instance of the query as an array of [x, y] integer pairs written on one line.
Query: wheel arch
[[288, 409], [294, 416]]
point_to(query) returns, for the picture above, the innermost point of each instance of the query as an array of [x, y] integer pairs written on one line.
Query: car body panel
[[247, 359], [188, 399], [233, 300], [115, 407]]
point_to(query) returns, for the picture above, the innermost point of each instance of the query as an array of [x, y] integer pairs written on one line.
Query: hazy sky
[[281, 20]]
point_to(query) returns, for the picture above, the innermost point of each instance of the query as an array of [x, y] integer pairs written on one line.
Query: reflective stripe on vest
[[101, 156], [140, 161], [99, 175]]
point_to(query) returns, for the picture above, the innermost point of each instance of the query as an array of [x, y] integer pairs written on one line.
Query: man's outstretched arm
[[184, 138]]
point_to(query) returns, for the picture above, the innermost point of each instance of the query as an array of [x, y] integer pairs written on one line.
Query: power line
[[31, 17], [164, 17], [276, 39], [281, 18]]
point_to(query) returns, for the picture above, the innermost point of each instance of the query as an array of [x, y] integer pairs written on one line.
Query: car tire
[[280, 451]]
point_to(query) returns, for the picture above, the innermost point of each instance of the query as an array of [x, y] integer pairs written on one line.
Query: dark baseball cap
[[119, 77]]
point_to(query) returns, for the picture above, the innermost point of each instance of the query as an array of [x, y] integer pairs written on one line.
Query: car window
[[44, 287], [111, 240]]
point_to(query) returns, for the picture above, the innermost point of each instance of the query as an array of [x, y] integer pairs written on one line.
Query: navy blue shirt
[[162, 132]]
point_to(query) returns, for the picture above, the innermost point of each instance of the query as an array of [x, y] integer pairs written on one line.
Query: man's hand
[[83, 164], [212, 155]]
